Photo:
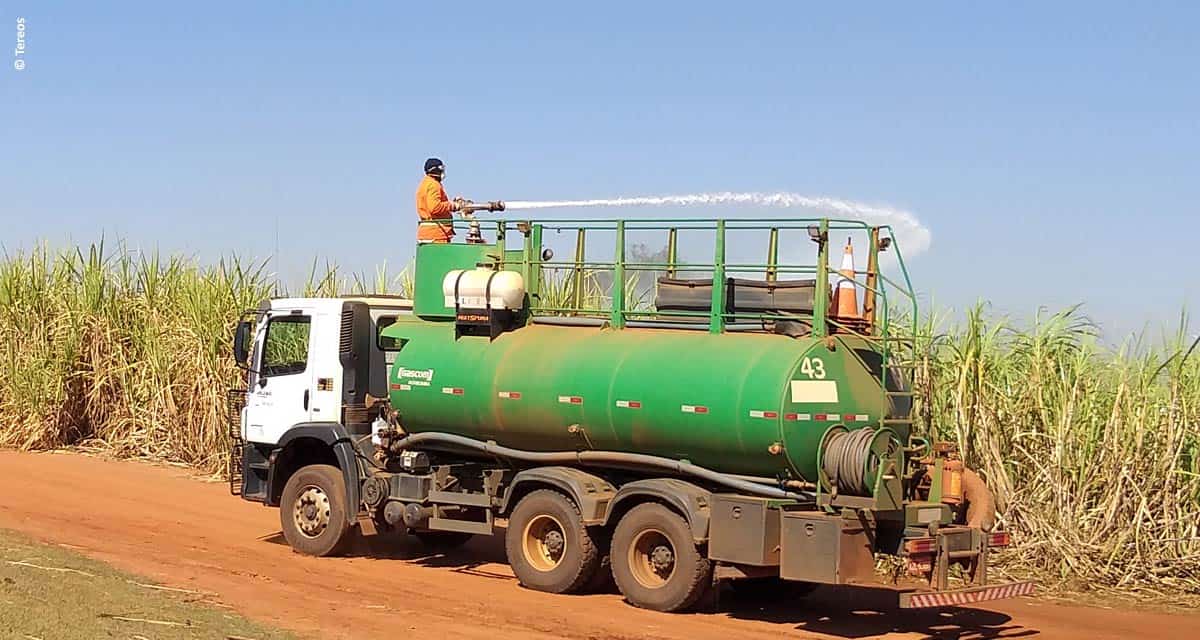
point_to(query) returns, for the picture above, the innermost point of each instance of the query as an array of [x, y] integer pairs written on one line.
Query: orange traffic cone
[[845, 298]]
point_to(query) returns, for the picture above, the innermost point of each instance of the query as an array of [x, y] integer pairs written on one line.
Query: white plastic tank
[[504, 289]]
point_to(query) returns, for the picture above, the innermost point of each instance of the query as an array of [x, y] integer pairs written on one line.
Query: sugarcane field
[[503, 321]]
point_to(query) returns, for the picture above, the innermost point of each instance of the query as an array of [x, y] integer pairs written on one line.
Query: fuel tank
[[741, 403]]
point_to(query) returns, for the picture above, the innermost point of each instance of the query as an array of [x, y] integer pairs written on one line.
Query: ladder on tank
[[903, 359]]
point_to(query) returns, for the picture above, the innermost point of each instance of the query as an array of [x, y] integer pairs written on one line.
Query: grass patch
[[49, 592]]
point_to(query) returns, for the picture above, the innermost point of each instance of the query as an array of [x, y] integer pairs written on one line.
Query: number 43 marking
[[813, 368]]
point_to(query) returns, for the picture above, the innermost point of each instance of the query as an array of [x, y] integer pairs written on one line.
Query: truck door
[[281, 394]]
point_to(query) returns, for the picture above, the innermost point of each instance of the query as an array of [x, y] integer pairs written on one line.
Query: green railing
[[878, 292]]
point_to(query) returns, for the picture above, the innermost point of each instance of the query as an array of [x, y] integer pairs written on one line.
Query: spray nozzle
[[467, 207]]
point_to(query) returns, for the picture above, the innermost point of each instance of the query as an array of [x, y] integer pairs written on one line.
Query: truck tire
[[547, 544], [655, 560], [312, 511], [442, 540]]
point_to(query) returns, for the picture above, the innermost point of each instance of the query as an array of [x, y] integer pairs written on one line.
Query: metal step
[[236, 472], [235, 399]]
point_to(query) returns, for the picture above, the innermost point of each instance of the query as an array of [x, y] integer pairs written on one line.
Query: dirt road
[[162, 523]]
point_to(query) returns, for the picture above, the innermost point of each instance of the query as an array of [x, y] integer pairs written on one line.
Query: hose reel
[[851, 461]]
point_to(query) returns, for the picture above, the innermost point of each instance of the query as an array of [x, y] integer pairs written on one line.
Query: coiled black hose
[[847, 454]]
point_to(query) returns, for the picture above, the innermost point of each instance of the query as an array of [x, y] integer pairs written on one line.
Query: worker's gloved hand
[[456, 204]]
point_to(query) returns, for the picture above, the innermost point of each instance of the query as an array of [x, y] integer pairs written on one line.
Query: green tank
[[740, 403]]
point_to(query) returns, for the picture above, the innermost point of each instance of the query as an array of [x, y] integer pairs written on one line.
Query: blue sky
[[1052, 148]]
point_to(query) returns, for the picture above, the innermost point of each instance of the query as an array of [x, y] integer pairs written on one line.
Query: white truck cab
[[313, 367]]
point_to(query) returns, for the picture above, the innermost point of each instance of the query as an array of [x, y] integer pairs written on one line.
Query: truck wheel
[[442, 540], [312, 511], [655, 561], [547, 544]]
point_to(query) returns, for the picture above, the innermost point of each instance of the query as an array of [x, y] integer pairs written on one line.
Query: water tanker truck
[[670, 422]]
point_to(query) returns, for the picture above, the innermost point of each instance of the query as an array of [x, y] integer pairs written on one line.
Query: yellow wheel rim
[[652, 558], [544, 542]]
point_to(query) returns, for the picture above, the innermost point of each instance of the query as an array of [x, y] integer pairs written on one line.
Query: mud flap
[[344, 451]]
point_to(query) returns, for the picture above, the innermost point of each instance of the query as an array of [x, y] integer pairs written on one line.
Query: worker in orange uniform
[[433, 205]]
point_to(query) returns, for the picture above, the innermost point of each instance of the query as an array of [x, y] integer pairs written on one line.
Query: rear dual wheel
[[548, 546], [655, 560]]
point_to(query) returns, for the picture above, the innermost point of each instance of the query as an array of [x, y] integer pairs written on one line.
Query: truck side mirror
[[241, 343]]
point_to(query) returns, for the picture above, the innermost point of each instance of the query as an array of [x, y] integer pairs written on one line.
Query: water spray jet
[[915, 236]]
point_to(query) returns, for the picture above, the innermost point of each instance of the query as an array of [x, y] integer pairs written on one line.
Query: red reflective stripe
[[849, 417], [791, 416], [397, 386], [510, 395], [921, 545]]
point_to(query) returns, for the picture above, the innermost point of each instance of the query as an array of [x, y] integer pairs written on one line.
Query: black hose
[[356, 445], [845, 460], [635, 461]]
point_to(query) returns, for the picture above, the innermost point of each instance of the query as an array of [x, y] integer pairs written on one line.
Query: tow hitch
[[931, 557]]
